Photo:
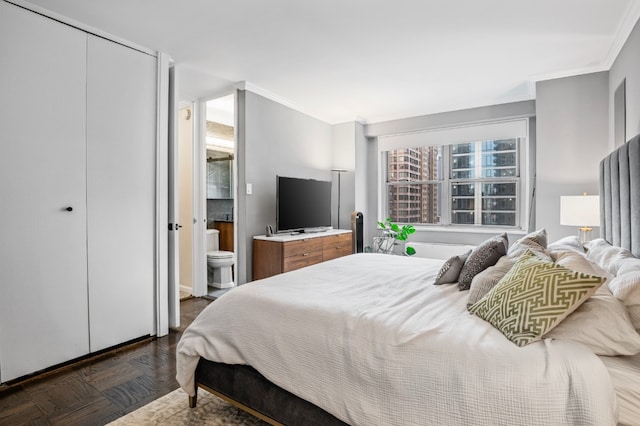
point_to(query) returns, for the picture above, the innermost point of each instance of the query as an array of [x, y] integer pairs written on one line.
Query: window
[[414, 196], [474, 183]]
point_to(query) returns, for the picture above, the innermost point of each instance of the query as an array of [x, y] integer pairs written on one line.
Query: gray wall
[[627, 65], [572, 126], [367, 187], [273, 140], [344, 158]]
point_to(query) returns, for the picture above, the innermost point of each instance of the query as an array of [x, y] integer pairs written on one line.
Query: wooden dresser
[[283, 253]]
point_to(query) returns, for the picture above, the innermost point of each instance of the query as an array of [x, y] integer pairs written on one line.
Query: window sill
[[470, 229]]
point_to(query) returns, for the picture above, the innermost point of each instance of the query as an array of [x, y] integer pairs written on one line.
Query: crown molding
[[629, 19], [245, 85]]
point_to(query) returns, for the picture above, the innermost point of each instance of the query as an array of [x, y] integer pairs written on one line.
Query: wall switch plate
[[249, 189]]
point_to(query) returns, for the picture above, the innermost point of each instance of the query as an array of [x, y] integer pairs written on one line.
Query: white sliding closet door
[[121, 135], [43, 263]]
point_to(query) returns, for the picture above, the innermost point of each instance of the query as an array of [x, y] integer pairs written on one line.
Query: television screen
[[302, 204]]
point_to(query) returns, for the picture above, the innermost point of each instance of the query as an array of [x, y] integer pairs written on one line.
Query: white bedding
[[369, 339], [625, 374]]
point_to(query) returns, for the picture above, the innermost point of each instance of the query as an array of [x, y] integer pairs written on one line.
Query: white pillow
[[571, 243], [606, 255], [628, 265], [601, 323], [626, 287], [578, 262]]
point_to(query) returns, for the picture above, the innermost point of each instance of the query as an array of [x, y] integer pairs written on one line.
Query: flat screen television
[[302, 204]]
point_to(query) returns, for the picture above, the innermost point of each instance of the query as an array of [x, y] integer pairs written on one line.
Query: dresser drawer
[[302, 247], [336, 246], [339, 240], [336, 251], [275, 256], [300, 260]]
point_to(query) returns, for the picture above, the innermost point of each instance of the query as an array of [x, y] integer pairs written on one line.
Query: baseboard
[[186, 289]]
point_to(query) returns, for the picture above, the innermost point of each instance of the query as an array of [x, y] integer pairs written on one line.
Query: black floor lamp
[[339, 171]]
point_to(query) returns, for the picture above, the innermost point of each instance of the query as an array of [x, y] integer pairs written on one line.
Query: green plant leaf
[[393, 230]]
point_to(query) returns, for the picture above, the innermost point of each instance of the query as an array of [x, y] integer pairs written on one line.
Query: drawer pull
[[305, 254]]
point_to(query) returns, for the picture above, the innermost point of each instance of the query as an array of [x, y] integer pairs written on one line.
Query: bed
[[367, 339]]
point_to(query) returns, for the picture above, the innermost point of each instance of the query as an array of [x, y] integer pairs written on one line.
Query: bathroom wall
[[219, 210]]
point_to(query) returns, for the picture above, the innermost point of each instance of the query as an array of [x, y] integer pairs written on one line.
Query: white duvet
[[369, 339]]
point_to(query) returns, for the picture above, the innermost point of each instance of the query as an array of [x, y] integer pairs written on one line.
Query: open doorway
[[220, 171]]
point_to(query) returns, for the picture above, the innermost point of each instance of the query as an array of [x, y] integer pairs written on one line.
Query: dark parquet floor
[[98, 390]]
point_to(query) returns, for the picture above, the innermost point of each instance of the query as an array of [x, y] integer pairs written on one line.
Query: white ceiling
[[370, 60]]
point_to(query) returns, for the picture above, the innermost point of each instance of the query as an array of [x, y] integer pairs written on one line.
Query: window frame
[[479, 180], [524, 179]]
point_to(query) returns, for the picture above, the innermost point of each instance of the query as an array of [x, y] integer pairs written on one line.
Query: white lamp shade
[[580, 210]]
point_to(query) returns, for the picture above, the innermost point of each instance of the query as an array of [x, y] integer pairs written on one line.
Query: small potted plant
[[391, 234]]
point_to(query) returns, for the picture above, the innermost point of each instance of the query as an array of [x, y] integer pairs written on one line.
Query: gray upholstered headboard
[[620, 196]]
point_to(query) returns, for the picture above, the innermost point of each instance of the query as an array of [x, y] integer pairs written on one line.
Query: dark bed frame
[[247, 389]]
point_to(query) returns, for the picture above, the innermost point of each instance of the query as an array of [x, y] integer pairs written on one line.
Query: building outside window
[[474, 184]]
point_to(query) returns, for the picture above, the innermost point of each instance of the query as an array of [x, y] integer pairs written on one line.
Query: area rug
[[173, 409]]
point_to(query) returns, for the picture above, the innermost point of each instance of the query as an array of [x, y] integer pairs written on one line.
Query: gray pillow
[[483, 256], [487, 279], [535, 241], [451, 269]]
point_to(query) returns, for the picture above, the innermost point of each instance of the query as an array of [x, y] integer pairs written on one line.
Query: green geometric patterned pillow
[[533, 298]]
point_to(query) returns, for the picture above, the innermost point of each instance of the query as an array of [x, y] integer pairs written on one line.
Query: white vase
[[384, 244]]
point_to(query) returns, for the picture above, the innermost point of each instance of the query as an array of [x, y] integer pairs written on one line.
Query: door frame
[[165, 116], [200, 190]]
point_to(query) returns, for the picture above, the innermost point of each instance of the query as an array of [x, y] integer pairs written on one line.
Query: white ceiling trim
[[628, 21], [245, 85]]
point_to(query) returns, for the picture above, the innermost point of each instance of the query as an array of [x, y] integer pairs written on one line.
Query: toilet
[[219, 263]]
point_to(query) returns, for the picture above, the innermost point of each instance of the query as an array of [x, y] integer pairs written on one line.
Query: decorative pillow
[[601, 323], [487, 279], [607, 256], [571, 243], [451, 269], [626, 287], [533, 298], [535, 241], [481, 257]]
